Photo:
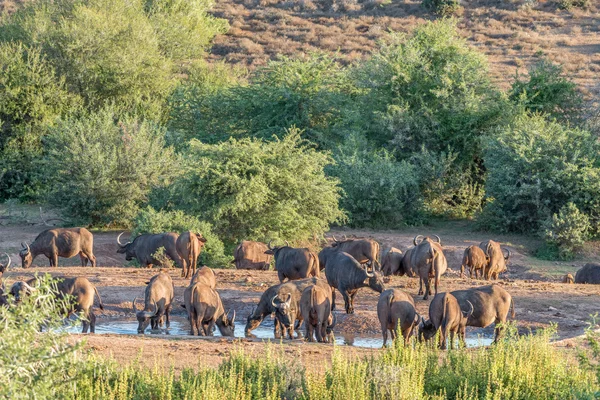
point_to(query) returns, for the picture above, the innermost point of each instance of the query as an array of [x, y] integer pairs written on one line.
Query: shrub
[[568, 230], [149, 220], [535, 167], [100, 171], [34, 365], [570, 4], [442, 7], [251, 189], [548, 91]]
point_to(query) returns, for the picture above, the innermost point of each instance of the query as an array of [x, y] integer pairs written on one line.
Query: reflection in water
[[180, 326]]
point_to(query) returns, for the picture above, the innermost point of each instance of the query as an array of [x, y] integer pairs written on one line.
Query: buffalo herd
[[304, 295]]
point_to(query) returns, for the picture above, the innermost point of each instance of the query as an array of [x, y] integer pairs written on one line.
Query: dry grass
[[511, 33]]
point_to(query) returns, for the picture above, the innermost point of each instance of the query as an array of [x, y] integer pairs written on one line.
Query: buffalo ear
[[183, 305], [147, 282], [270, 252]]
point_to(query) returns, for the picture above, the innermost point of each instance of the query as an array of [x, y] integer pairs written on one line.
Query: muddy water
[[180, 326]]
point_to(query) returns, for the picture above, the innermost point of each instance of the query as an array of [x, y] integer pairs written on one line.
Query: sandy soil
[[539, 301]]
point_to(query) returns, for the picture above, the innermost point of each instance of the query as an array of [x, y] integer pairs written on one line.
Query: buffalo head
[[272, 250], [252, 322], [25, 254], [4, 267], [283, 309], [416, 240], [126, 248], [144, 317], [21, 289], [374, 281], [227, 325]]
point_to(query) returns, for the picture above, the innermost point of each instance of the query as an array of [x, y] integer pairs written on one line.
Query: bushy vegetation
[[568, 230], [149, 220], [442, 7]]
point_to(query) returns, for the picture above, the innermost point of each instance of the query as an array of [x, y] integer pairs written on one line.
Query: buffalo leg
[[84, 259], [332, 298], [280, 276], [451, 340], [85, 319], [436, 284], [420, 287], [210, 327], [347, 303], [462, 271], [427, 288], [278, 328], [184, 270], [167, 312], [92, 259], [309, 332], [384, 331], [92, 317]]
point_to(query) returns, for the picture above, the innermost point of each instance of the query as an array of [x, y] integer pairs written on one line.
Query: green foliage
[[570, 4], [568, 230], [548, 91], [378, 190], [444, 8], [535, 167], [102, 171], [32, 97], [34, 365], [251, 189], [163, 259], [149, 220]]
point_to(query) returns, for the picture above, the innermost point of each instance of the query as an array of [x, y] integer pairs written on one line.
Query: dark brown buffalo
[[205, 310], [475, 260], [590, 273], [265, 305], [189, 246], [252, 255], [4, 267], [315, 305], [206, 276], [81, 289], [158, 301], [568, 278], [145, 246], [396, 263], [293, 264], [497, 259], [346, 274], [491, 304], [363, 250], [60, 242], [429, 262], [445, 315], [396, 308]]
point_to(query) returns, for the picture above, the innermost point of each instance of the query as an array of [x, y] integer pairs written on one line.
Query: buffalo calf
[[396, 309]]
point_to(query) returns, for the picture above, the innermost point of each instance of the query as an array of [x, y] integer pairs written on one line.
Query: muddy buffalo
[[158, 301], [428, 260], [60, 242], [205, 310], [145, 246], [497, 260], [189, 246], [590, 273], [396, 309], [315, 305], [347, 275], [363, 250], [292, 263], [252, 255], [446, 316], [391, 262], [475, 260], [491, 304], [265, 305], [81, 290]]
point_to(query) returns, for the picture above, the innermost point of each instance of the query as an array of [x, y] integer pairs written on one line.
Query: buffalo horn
[[289, 300], [133, 305], [438, 239], [416, 238], [345, 237], [472, 309], [233, 317], [25, 250], [508, 255], [119, 239], [269, 245], [334, 239], [155, 312], [273, 301], [9, 260], [369, 274], [287, 243], [28, 287]]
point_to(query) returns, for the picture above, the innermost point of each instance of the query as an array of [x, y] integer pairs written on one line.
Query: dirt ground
[[540, 300]]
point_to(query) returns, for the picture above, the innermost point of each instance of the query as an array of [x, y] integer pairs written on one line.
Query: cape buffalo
[[206, 276], [491, 304], [265, 304], [346, 274], [445, 314], [475, 260], [497, 259], [315, 305], [590, 273], [391, 263], [252, 255], [4, 267], [60, 242], [568, 278], [396, 308], [428, 260], [287, 309], [189, 245], [80, 288], [144, 246], [158, 299], [294, 263], [205, 309], [363, 250]]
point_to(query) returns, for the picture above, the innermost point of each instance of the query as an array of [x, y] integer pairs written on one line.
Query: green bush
[[250, 189], [570, 4], [34, 365], [32, 98], [534, 168], [149, 220], [568, 230], [548, 91], [442, 7], [102, 171]]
